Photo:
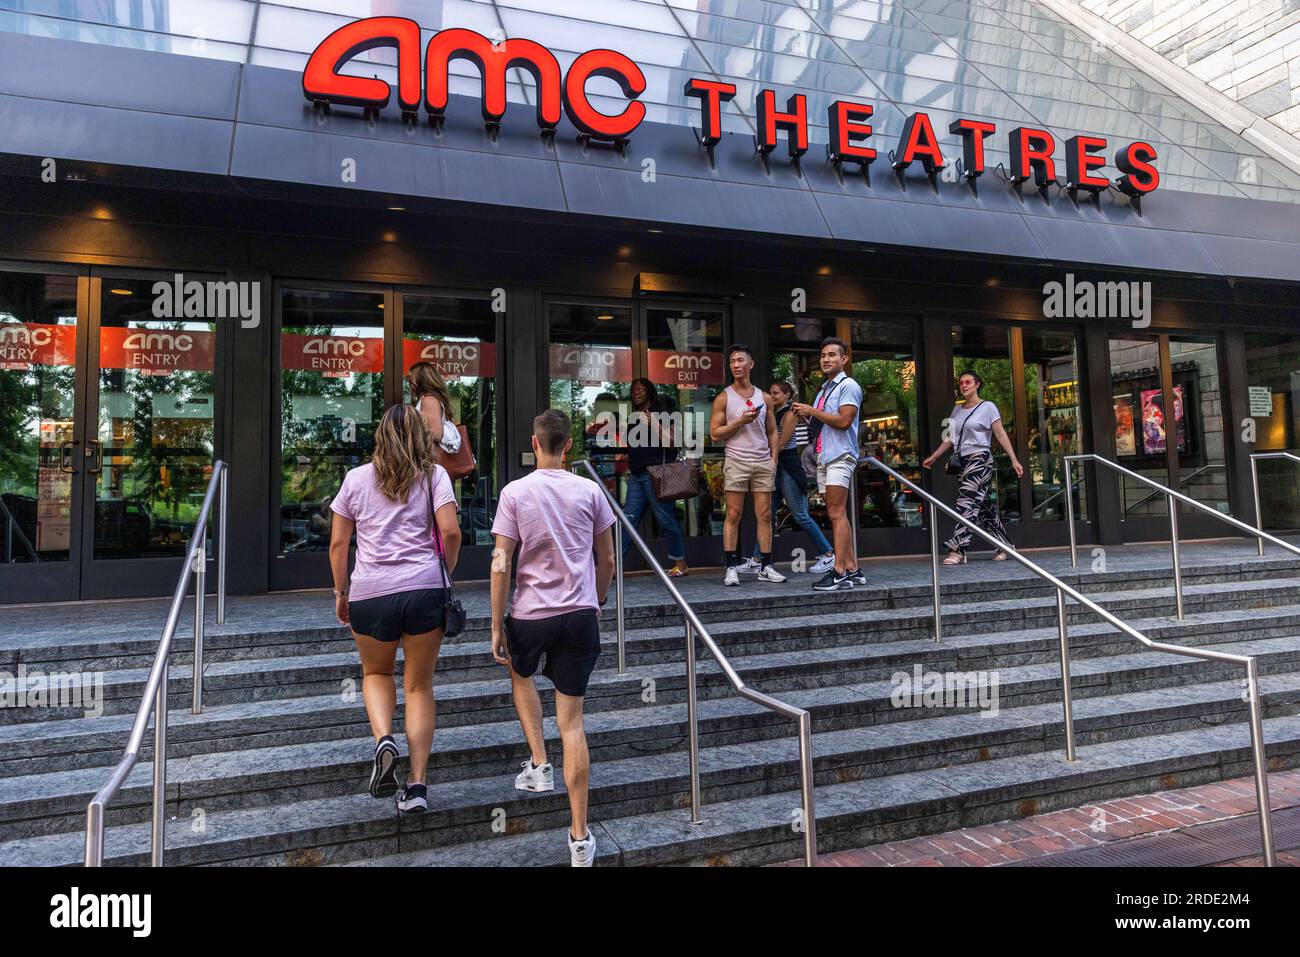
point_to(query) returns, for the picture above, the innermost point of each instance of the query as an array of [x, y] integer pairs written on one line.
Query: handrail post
[[692, 726], [1259, 516], [94, 835], [934, 574], [1261, 765], [618, 596], [199, 560], [159, 770], [1066, 703], [806, 774], [1178, 566], [1069, 514], [224, 498]]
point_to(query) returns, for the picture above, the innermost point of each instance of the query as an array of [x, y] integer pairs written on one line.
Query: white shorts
[[840, 472]]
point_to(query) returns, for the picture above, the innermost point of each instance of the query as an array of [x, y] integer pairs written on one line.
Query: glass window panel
[[1138, 420], [1202, 468], [589, 363], [884, 365], [987, 351], [38, 348], [119, 36], [687, 365], [1273, 380], [1055, 413], [155, 423], [459, 337], [331, 399]]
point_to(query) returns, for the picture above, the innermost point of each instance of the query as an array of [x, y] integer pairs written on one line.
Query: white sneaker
[[749, 565], [582, 853], [822, 565], [732, 577], [770, 574], [535, 779]]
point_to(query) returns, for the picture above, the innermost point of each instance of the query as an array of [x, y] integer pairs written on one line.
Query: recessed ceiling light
[[654, 230], [390, 237], [625, 250], [121, 292], [381, 305], [992, 281], [397, 209], [787, 325], [605, 317], [824, 271]]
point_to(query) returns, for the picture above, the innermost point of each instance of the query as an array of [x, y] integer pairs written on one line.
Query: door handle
[[95, 450], [65, 458]]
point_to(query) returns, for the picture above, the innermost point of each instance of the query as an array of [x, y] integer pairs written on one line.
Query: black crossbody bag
[[453, 610], [955, 462]]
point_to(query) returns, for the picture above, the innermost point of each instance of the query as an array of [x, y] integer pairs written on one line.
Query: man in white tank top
[[742, 419]]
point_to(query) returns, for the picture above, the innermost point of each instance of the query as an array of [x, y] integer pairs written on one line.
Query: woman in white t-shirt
[[400, 504], [975, 423]]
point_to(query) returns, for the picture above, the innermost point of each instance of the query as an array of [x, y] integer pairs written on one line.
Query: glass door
[[41, 407], [150, 438]]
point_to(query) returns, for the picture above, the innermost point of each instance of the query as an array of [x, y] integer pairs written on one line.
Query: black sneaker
[[859, 577], [383, 777], [413, 799], [834, 581]]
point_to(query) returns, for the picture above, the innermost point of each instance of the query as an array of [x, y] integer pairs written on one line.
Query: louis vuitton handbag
[[673, 481]]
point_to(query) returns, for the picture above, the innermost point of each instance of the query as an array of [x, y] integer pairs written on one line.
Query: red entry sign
[[686, 370], [331, 355], [452, 359], [25, 344], [156, 351]]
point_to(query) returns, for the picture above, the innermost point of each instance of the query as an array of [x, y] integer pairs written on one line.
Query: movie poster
[[1153, 421], [1125, 439]]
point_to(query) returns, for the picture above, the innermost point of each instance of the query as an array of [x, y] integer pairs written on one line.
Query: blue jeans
[[640, 493], [793, 491]]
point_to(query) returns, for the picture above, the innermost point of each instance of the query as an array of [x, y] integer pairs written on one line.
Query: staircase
[[274, 770]]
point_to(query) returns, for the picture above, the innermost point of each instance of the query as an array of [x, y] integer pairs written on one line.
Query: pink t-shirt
[[395, 551], [555, 516]]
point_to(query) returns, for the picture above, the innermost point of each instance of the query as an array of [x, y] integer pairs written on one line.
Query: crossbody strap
[[962, 431], [437, 535]]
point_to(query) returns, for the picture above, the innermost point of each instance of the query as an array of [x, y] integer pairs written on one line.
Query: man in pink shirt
[[555, 519]]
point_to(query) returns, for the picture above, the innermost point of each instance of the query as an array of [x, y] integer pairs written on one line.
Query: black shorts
[[388, 617], [571, 643]]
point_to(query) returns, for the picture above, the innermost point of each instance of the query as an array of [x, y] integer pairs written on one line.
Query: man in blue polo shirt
[[833, 429]]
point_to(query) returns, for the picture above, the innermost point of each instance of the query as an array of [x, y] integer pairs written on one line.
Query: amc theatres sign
[[1032, 149], [332, 355]]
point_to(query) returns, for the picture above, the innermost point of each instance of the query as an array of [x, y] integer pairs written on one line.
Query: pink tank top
[[750, 442]]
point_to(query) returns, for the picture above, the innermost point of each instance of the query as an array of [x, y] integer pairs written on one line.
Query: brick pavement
[[1074, 828]]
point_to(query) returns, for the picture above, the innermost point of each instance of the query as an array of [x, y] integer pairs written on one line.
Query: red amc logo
[[322, 82], [588, 364]]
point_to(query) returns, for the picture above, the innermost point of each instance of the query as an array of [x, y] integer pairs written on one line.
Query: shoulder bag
[[453, 610], [955, 462]]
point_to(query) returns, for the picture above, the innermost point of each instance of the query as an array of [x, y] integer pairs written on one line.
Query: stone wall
[[1248, 50]]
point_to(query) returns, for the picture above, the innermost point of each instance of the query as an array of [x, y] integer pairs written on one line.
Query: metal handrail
[[1182, 480], [1254, 484], [1062, 590], [154, 700], [10, 523], [695, 627], [1173, 497]]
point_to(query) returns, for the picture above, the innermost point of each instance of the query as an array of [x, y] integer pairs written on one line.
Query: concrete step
[[77, 742], [276, 633], [749, 827], [253, 679], [52, 801]]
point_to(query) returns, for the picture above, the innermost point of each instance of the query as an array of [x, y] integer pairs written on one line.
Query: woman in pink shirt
[[396, 591]]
